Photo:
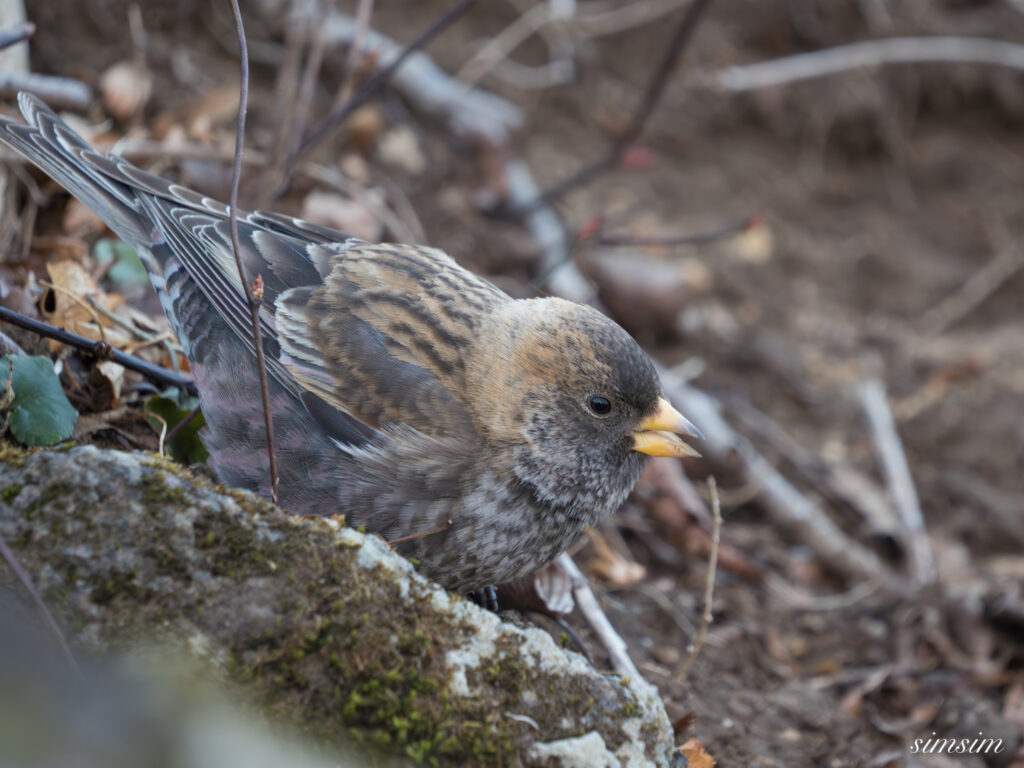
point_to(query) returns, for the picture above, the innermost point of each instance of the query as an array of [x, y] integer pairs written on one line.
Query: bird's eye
[[601, 406]]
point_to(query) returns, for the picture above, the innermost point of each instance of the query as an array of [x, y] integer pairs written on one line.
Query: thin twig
[[709, 583], [307, 85], [788, 507], [701, 238], [973, 292], [652, 95], [502, 44], [622, 17], [598, 621], [51, 623], [348, 83], [338, 115], [897, 473], [869, 53], [99, 350], [247, 287], [16, 34]]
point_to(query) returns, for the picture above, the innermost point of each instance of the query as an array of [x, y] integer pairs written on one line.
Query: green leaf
[[128, 268], [39, 412], [172, 406]]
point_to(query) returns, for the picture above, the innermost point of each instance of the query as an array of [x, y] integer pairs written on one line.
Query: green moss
[[10, 492]]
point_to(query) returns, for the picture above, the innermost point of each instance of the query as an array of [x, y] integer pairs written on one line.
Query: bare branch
[[16, 34], [701, 238], [254, 303], [598, 621], [897, 472], [652, 95], [335, 118], [971, 294], [58, 92], [99, 349], [348, 84], [870, 53], [51, 623]]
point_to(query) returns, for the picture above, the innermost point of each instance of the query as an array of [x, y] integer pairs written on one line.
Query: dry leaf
[[126, 88], [350, 216], [114, 374], [696, 756], [365, 125], [79, 221], [400, 148], [756, 245], [65, 304], [212, 108]]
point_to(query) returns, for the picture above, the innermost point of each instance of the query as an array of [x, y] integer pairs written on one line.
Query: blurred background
[[812, 220]]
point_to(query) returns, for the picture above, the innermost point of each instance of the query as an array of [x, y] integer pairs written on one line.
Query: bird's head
[[573, 401]]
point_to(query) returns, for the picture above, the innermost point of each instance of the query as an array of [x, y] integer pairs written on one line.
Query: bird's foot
[[486, 597]]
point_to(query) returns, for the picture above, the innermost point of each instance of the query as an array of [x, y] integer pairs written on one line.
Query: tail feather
[[62, 154]]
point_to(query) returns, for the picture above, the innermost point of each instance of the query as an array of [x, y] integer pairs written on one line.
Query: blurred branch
[[557, 270], [253, 292], [99, 349], [897, 472], [652, 95], [623, 17], [44, 612], [397, 59], [870, 53], [501, 45], [701, 238], [58, 92], [348, 83], [16, 34], [788, 507], [973, 292]]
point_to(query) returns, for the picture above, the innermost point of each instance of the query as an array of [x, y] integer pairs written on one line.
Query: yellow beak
[[657, 434]]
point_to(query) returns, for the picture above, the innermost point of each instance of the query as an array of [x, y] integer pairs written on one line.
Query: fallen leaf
[[65, 304], [696, 756], [365, 125], [80, 221], [400, 148], [126, 87], [350, 216], [756, 245]]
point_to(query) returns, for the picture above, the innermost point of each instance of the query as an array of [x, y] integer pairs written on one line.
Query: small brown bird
[[408, 394]]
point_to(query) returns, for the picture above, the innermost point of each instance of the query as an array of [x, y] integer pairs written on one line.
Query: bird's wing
[[385, 336], [343, 321]]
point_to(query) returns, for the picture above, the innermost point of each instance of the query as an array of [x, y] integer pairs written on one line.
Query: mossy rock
[[326, 626]]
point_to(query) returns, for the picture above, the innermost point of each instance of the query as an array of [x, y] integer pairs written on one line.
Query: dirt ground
[[887, 246]]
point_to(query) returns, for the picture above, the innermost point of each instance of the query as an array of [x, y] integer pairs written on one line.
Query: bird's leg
[[486, 597]]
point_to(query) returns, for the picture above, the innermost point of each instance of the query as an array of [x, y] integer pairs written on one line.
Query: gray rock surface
[[327, 628]]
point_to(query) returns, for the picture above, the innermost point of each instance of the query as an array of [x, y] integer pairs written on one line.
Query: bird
[[477, 432]]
